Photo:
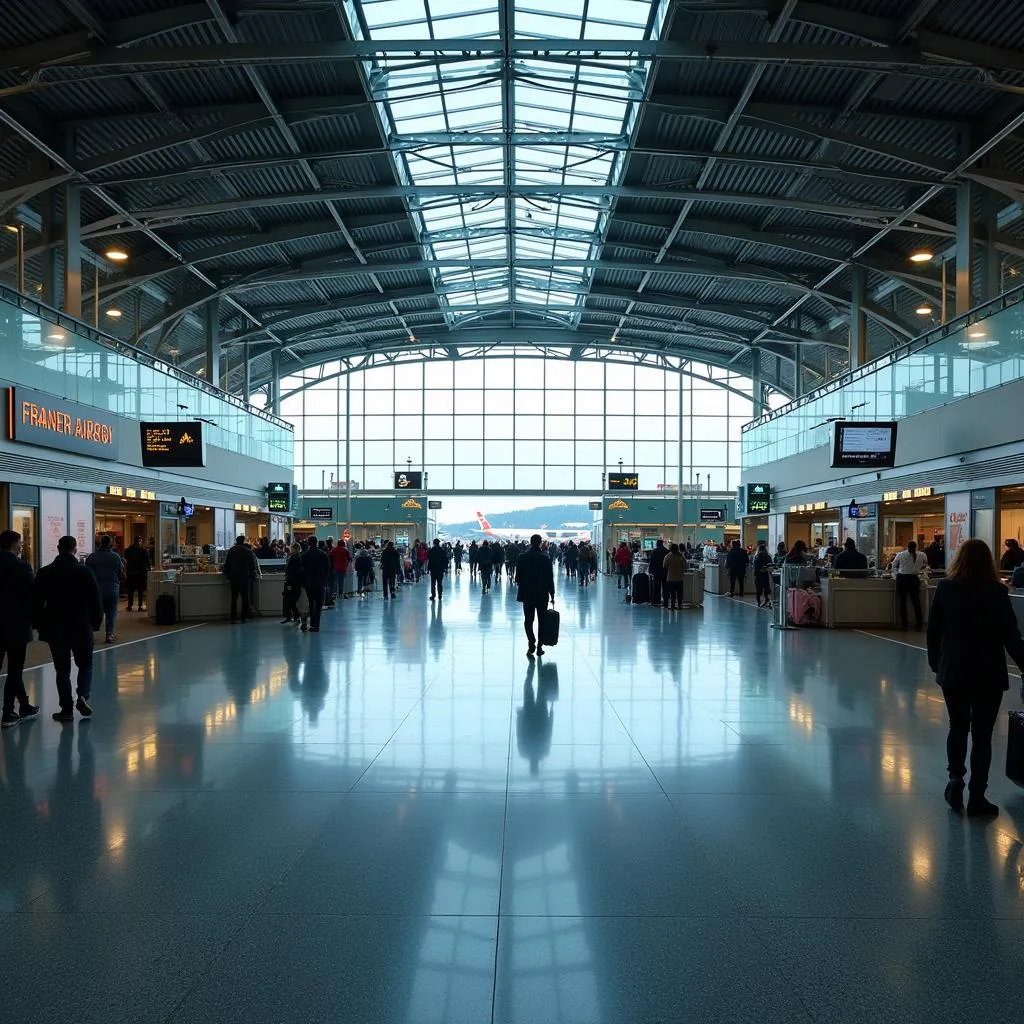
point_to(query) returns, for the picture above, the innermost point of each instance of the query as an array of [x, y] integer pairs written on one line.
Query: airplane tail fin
[[484, 525]]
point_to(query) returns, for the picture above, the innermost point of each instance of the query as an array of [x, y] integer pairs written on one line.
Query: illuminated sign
[[908, 492], [433, 504], [595, 506], [712, 515], [408, 481], [171, 445], [759, 501], [322, 513], [617, 504], [147, 495], [279, 497], [117, 492], [623, 482], [411, 503], [818, 506], [47, 422]]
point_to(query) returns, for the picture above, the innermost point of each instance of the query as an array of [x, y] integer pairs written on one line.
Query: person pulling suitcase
[[535, 579]]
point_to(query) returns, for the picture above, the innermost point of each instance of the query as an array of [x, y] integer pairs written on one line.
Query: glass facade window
[[523, 423], [57, 359]]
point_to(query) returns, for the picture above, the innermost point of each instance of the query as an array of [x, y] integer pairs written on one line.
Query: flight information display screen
[[864, 445]]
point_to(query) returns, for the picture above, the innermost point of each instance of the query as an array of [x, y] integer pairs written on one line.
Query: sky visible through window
[[562, 125]]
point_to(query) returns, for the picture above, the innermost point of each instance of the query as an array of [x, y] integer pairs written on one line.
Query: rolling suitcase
[[803, 607], [549, 625], [1015, 748], [641, 588], [165, 611]]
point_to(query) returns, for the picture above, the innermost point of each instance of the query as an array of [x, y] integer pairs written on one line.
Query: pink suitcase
[[803, 607]]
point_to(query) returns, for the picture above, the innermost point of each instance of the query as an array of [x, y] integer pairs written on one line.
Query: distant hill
[[525, 519]]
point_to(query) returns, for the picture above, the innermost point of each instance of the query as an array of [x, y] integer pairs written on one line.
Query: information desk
[[851, 602], [205, 596]]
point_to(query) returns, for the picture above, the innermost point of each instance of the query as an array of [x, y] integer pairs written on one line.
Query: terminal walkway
[[672, 817]]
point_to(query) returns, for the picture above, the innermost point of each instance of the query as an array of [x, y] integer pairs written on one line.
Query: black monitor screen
[[864, 445]]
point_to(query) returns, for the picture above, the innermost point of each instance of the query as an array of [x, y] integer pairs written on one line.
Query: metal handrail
[[124, 348], [894, 355]]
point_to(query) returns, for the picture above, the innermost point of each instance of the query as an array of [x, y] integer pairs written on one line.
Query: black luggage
[[165, 611], [1015, 748], [641, 588], [549, 625]]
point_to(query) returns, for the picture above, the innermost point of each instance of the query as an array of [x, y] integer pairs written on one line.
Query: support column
[[275, 382], [213, 342], [72, 251], [798, 372], [246, 377], [858, 318], [50, 238], [756, 384], [991, 283], [964, 248]]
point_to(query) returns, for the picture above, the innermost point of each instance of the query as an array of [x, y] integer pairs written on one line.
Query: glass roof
[[505, 221]]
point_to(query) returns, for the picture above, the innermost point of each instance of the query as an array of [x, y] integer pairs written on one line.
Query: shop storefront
[[817, 525], [642, 519], [1011, 516], [124, 514], [400, 518], [910, 515]]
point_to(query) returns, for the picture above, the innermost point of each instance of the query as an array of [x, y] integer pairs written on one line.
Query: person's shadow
[[535, 720], [315, 683], [436, 630]]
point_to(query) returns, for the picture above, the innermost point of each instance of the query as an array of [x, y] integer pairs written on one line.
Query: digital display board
[[173, 445], [48, 422], [712, 515], [759, 500], [321, 513], [864, 445], [433, 504], [595, 506], [279, 497], [408, 481], [623, 482]]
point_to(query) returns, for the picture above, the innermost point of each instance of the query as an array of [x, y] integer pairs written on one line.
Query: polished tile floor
[[674, 817]]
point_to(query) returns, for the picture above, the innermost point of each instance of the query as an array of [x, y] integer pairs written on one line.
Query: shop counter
[[851, 602], [1017, 600], [716, 578], [206, 596]]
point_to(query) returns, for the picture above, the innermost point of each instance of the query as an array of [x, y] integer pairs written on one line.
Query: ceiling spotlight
[[924, 310], [114, 313], [116, 255], [13, 228], [977, 332], [921, 256]]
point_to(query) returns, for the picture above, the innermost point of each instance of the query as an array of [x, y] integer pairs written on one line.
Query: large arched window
[[523, 423]]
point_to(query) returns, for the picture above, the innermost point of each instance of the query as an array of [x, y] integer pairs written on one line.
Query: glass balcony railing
[[56, 354], [981, 350]]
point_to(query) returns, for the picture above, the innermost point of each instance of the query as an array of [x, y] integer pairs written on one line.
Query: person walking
[[137, 566], [316, 568], [535, 578], [907, 567], [241, 568], [293, 587], [341, 559], [474, 555], [584, 563], [656, 563], [674, 567], [364, 569], [737, 561], [970, 626], [390, 564], [763, 575], [437, 566], [457, 554], [67, 609], [485, 561], [108, 568], [16, 582], [497, 562]]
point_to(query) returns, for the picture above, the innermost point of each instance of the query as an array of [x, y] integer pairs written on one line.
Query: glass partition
[[975, 353], [55, 354]]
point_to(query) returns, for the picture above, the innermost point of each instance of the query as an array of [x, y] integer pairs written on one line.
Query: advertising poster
[[81, 521], [53, 521], [958, 517]]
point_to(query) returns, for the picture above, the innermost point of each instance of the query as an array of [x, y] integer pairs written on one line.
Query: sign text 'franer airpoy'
[[50, 422]]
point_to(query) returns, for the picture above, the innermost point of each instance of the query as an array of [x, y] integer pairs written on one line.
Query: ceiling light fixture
[[924, 310], [116, 255], [114, 313], [922, 256]]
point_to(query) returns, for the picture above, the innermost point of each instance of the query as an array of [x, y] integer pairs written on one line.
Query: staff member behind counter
[[850, 561], [907, 567]]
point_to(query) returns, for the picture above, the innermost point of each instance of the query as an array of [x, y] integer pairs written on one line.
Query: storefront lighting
[[114, 313], [922, 256], [116, 255]]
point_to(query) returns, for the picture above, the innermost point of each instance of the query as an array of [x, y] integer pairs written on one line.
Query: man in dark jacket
[[67, 609], [137, 566], [316, 567], [241, 568], [485, 562], [437, 564], [15, 626], [390, 566], [736, 561], [535, 578], [850, 561], [657, 565]]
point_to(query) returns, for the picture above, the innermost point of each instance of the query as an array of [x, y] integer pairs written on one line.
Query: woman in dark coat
[[970, 626], [293, 586]]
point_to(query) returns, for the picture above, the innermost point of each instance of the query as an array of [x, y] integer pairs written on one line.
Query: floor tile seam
[[501, 862], [788, 981]]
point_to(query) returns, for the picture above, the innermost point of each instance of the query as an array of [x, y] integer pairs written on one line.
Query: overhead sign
[[863, 445], [173, 445], [623, 482], [433, 504], [408, 481], [411, 503], [48, 422], [322, 513], [279, 497], [617, 505], [595, 506], [712, 515], [759, 499]]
